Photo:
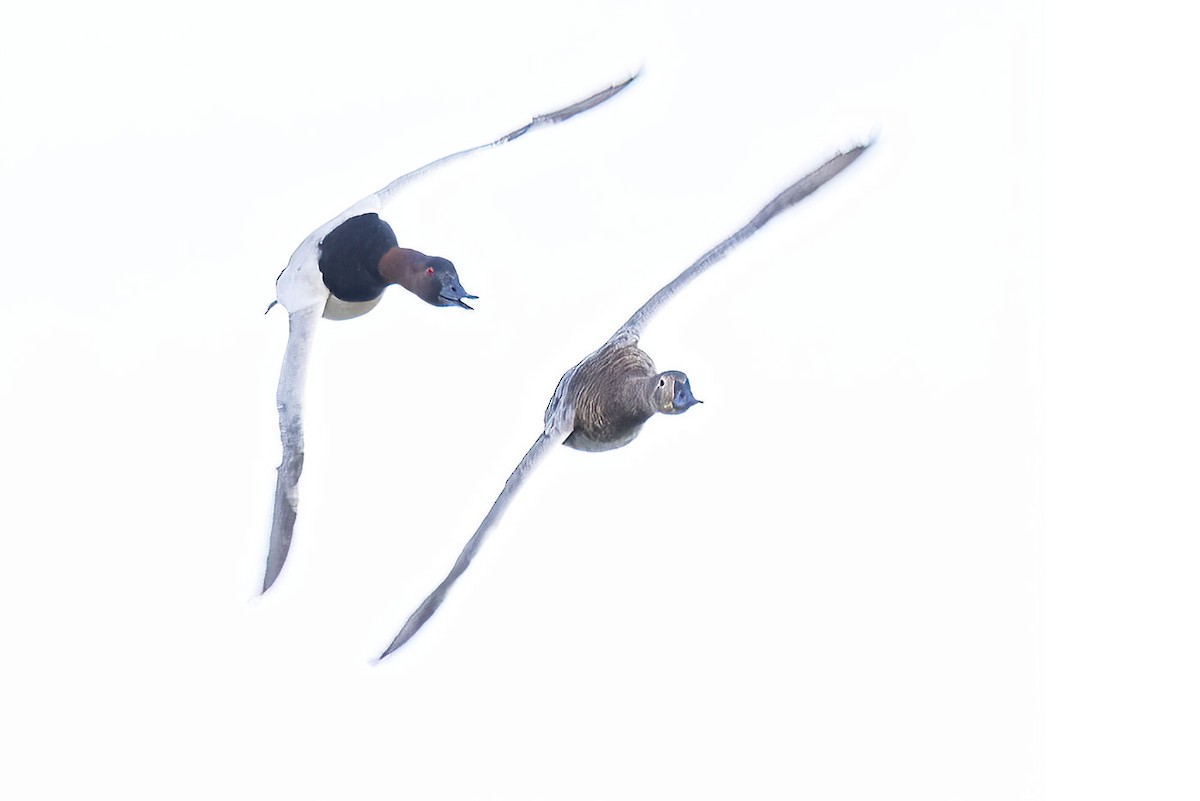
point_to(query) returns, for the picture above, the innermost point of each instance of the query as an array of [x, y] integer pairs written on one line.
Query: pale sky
[[857, 571]]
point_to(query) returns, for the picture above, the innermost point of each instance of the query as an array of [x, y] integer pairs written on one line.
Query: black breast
[[349, 257]]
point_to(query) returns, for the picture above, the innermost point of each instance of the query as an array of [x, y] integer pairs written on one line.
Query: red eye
[[429, 271]]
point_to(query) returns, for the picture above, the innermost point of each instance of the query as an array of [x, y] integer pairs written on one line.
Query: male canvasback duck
[[602, 402], [340, 271]]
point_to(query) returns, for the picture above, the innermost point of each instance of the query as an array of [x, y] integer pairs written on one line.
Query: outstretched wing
[[376, 201], [289, 399], [557, 429], [300, 289], [633, 328]]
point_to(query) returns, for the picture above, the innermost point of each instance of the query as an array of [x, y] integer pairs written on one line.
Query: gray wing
[[376, 201], [303, 289], [552, 436], [289, 400], [633, 328]]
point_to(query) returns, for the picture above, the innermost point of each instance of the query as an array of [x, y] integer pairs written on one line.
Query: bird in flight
[[340, 271], [602, 402]]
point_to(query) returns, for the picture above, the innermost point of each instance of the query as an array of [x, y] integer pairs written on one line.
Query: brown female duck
[[340, 271], [602, 402]]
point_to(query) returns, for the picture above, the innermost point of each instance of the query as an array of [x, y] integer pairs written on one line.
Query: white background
[[931, 535]]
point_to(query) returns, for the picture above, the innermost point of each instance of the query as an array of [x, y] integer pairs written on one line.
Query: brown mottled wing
[[289, 399], [633, 328], [558, 425]]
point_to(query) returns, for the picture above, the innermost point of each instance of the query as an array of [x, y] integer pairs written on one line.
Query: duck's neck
[[648, 390], [404, 267]]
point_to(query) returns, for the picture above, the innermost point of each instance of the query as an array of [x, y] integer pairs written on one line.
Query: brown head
[[431, 278]]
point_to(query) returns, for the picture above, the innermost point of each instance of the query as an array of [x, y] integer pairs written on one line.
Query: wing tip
[[848, 156], [391, 649], [575, 109], [617, 87], [411, 627], [270, 576]]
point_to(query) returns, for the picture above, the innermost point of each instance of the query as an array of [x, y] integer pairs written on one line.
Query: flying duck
[[340, 271], [602, 402]]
